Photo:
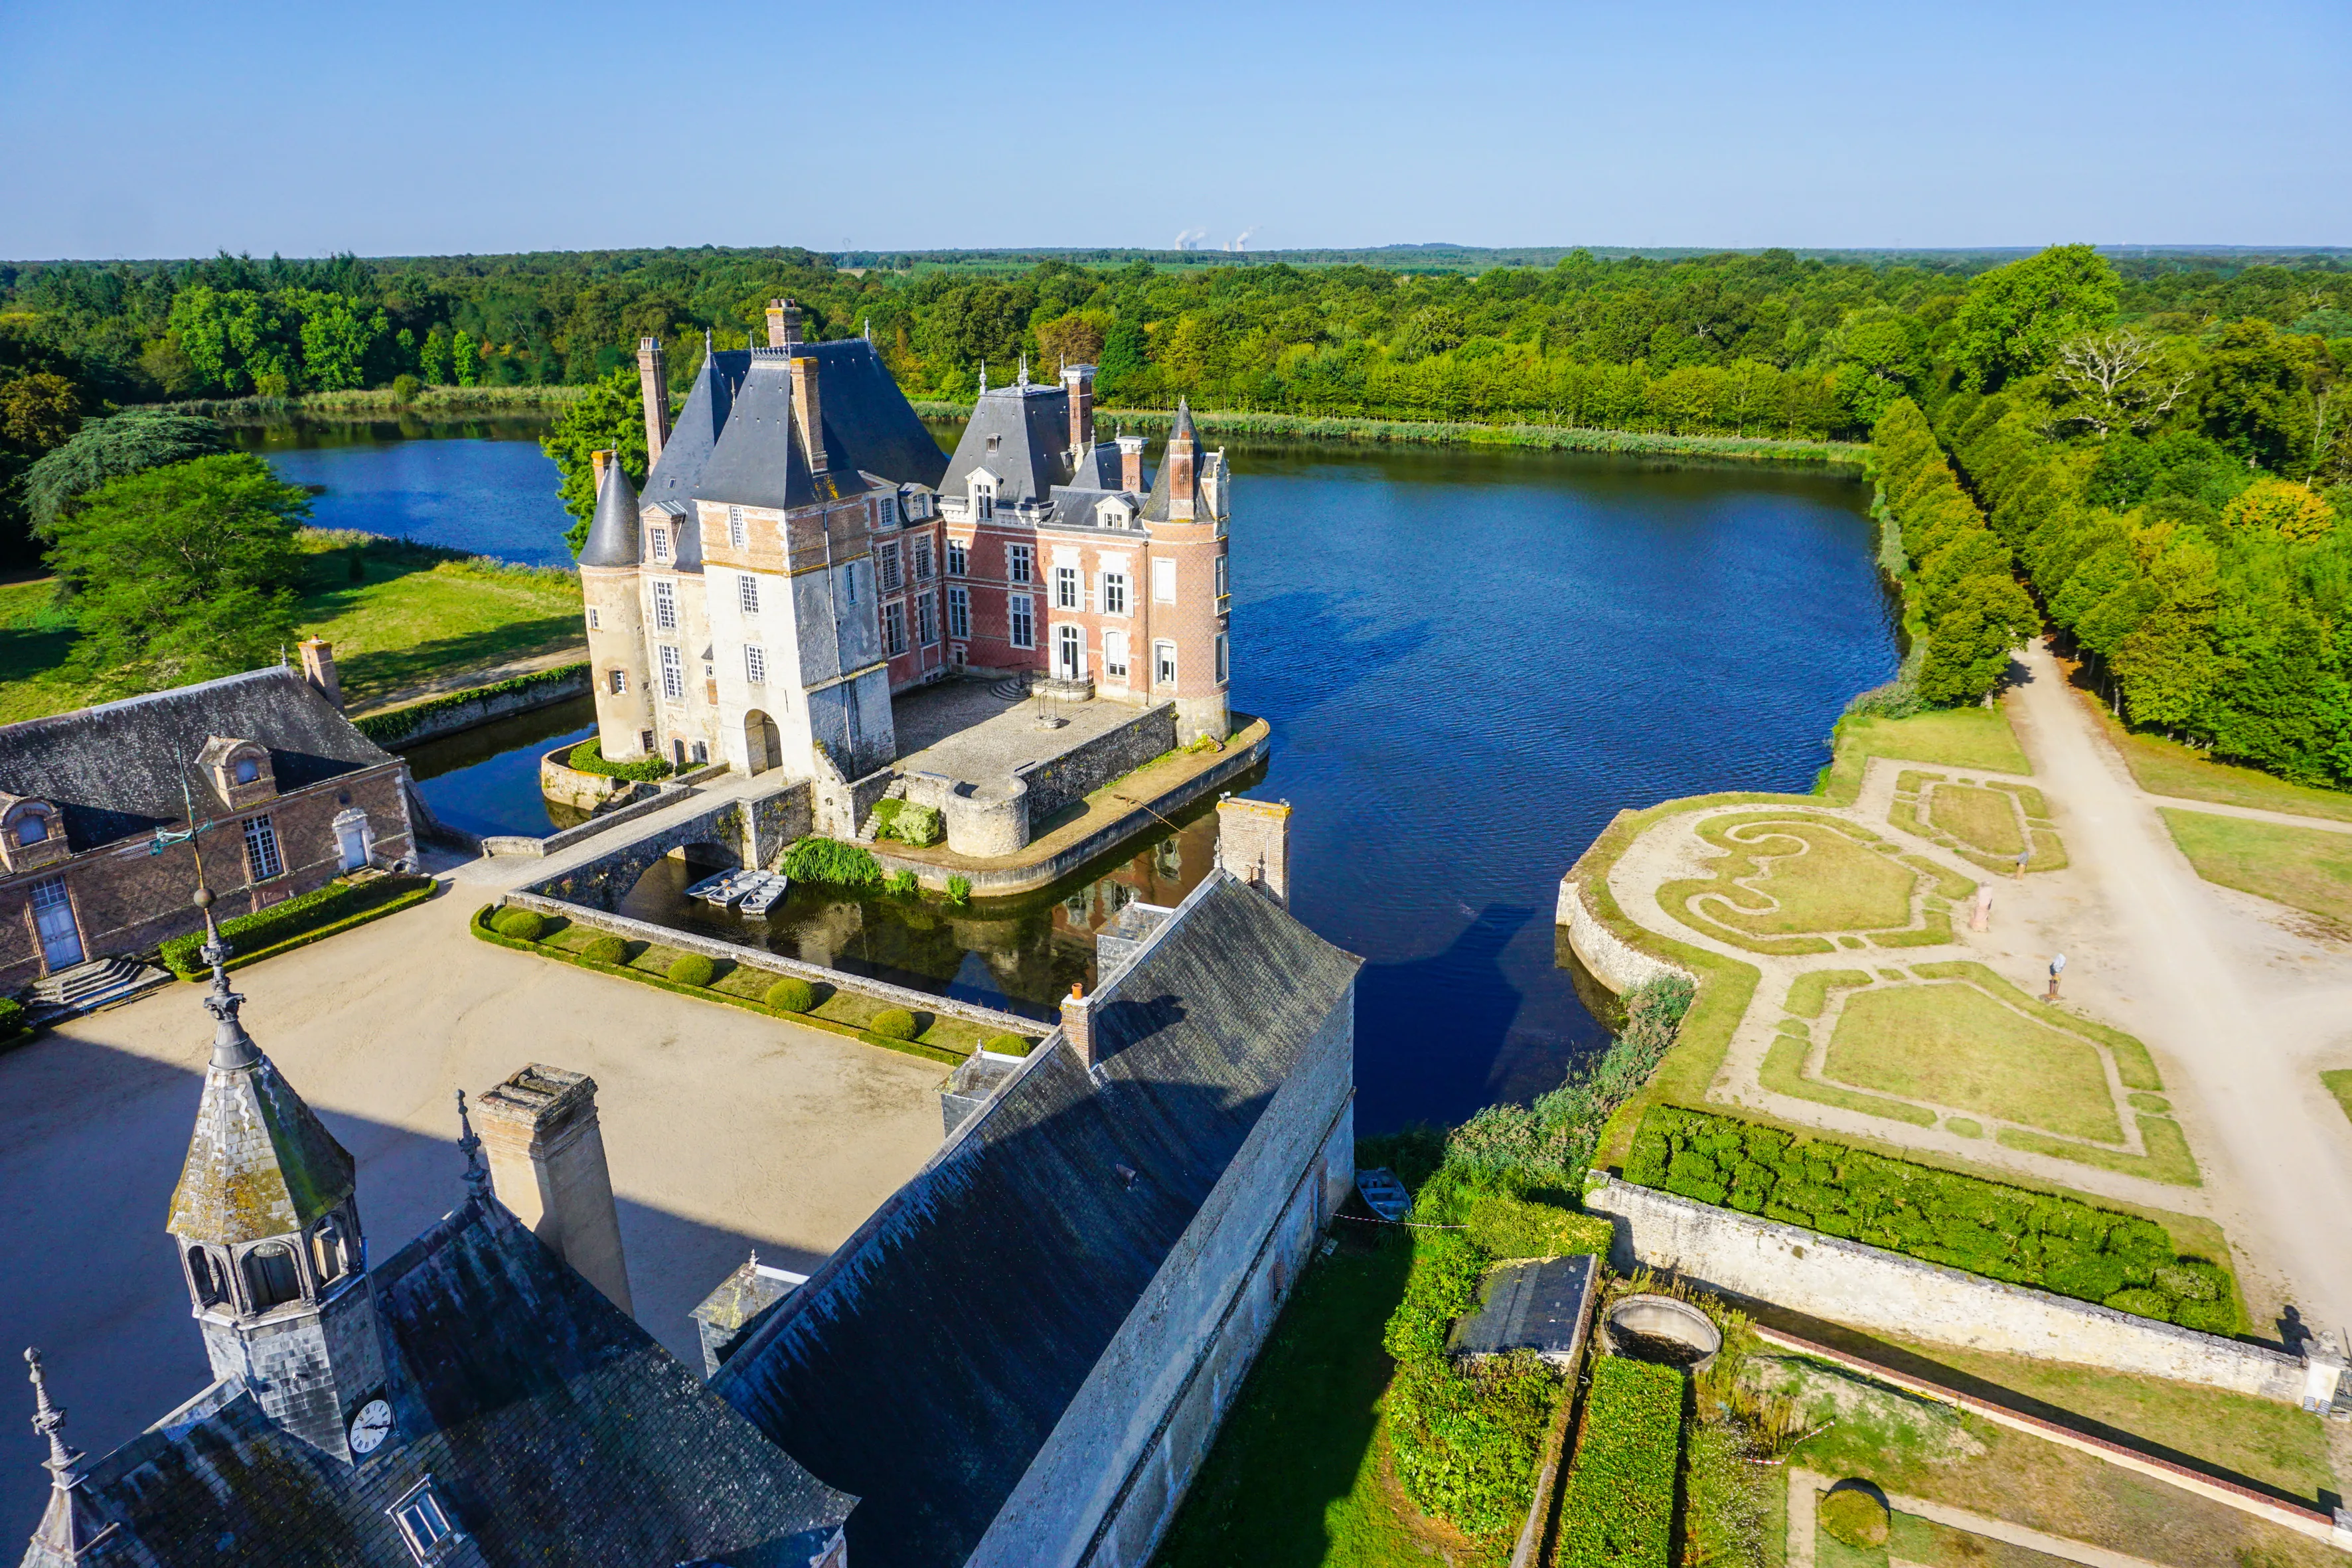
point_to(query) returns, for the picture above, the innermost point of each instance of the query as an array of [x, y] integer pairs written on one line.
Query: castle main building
[[802, 550]]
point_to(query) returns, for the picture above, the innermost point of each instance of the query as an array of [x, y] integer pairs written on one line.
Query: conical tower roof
[[260, 1164], [1183, 429], [613, 531]]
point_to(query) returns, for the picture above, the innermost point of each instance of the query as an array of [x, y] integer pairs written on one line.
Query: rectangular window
[[1164, 580], [886, 568], [959, 612], [1114, 593], [850, 580], [1223, 587], [922, 560], [1163, 664], [665, 606], [894, 628], [1018, 561], [957, 560], [1114, 654], [673, 673], [755, 664], [747, 593], [984, 502], [735, 526], [927, 619], [646, 742], [592, 618], [423, 1524], [261, 858], [1020, 613], [1066, 587], [886, 511], [661, 543], [1224, 659], [619, 679]]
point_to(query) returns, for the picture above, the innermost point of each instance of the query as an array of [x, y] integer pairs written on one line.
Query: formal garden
[[1788, 883]]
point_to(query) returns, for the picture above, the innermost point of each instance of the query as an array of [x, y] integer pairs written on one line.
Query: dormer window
[[1113, 514], [983, 498], [248, 770], [424, 1526], [886, 511], [661, 543], [32, 828]]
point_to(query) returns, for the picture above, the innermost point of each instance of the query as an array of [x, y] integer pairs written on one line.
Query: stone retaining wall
[[1614, 960], [465, 715], [756, 831], [775, 964], [1077, 772], [1867, 1288]]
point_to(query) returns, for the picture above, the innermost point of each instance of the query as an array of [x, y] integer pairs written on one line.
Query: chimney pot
[[784, 323], [547, 1166], [319, 668], [1077, 1024], [1254, 844]]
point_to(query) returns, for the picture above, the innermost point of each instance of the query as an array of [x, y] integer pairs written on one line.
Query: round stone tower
[[618, 663]]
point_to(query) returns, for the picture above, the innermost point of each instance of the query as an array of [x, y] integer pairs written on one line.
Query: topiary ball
[[790, 995], [522, 925], [1855, 1516], [606, 950], [894, 1023], [1005, 1045], [691, 969]]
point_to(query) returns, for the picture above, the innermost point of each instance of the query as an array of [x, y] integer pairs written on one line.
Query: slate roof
[[1032, 424], [759, 459], [670, 486], [1098, 468], [554, 1429], [1534, 1304], [260, 1164], [612, 533], [116, 770], [925, 1363], [868, 423]]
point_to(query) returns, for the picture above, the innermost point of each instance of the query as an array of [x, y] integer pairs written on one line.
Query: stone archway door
[[764, 745], [353, 843]]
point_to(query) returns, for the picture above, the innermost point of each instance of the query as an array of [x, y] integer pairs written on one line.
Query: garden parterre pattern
[[1791, 882], [1985, 823]]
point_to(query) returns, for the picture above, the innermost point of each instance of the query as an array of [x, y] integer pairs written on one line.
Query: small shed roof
[[1536, 1304]]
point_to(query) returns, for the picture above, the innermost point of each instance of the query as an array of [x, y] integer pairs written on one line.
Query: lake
[[1471, 661]]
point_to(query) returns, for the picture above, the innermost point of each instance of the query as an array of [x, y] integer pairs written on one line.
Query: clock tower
[[269, 1242]]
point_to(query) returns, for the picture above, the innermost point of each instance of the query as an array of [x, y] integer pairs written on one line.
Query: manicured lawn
[[1952, 1045], [1982, 818], [410, 619], [1296, 1477], [2339, 1084], [1804, 876], [2166, 767], [1956, 737], [2308, 867]]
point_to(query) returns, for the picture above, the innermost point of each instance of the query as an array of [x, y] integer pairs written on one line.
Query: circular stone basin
[[1661, 1329]]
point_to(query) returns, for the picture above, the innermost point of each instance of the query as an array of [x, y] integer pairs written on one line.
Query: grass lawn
[[1296, 1477], [2339, 1084], [2308, 867], [2166, 767], [1807, 876], [1982, 818], [1955, 1046], [1955, 736], [410, 618]]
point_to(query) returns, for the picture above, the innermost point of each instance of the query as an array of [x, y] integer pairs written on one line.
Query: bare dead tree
[[2122, 380]]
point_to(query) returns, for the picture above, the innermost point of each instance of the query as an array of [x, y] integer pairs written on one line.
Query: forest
[[2154, 443]]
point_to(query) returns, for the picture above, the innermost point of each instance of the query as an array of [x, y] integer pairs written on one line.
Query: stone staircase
[[868, 830], [1012, 689], [88, 986]]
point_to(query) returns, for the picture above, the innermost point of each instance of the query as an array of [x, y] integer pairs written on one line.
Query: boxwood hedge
[[1620, 1508], [2048, 1242], [248, 934]]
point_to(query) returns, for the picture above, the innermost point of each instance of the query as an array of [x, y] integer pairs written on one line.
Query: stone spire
[[70, 1524]]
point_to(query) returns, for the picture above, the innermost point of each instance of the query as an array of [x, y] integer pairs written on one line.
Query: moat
[[1470, 660]]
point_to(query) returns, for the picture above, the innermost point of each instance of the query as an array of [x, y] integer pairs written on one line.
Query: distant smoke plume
[[1240, 240]]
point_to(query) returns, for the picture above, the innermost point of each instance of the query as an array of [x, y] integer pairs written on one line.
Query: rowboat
[[767, 887], [1383, 1193]]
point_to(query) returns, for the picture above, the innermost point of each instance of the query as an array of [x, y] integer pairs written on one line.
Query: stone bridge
[[749, 828]]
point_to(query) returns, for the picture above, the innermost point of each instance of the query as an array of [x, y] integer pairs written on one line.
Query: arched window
[[205, 1272], [270, 1277], [248, 770], [329, 1256], [32, 828]]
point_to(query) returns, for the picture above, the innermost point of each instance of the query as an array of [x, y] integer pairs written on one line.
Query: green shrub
[[1465, 1438], [389, 729], [692, 969], [606, 949], [2044, 1241], [900, 885], [1007, 1045], [523, 925], [894, 1023], [791, 994], [1618, 1512], [1447, 1267], [404, 387], [11, 1017], [917, 824], [338, 900], [588, 757], [832, 861], [1855, 1516], [959, 890]]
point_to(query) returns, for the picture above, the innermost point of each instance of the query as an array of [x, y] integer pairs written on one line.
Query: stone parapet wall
[[1614, 962], [1868, 1287], [1077, 772], [559, 781], [385, 727]]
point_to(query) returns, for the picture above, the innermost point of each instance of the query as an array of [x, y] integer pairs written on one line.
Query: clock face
[[370, 1426]]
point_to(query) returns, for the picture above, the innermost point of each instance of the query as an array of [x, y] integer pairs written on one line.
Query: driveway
[[725, 1130]]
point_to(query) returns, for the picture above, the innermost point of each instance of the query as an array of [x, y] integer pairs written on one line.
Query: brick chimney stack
[[319, 668], [599, 461], [1078, 380], [547, 1165], [1130, 463], [1078, 1023], [652, 390], [808, 414], [784, 324], [1254, 844]]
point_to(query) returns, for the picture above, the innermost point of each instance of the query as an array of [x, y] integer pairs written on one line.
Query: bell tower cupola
[[269, 1236]]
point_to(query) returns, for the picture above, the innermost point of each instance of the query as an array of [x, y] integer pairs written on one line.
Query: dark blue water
[[1471, 662], [484, 487], [486, 781]]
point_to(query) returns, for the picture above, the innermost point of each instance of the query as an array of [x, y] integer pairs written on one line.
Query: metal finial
[[232, 1046], [477, 1174], [49, 1421], [983, 376], [1024, 370]]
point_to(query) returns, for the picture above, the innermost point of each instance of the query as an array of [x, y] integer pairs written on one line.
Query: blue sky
[[134, 128]]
